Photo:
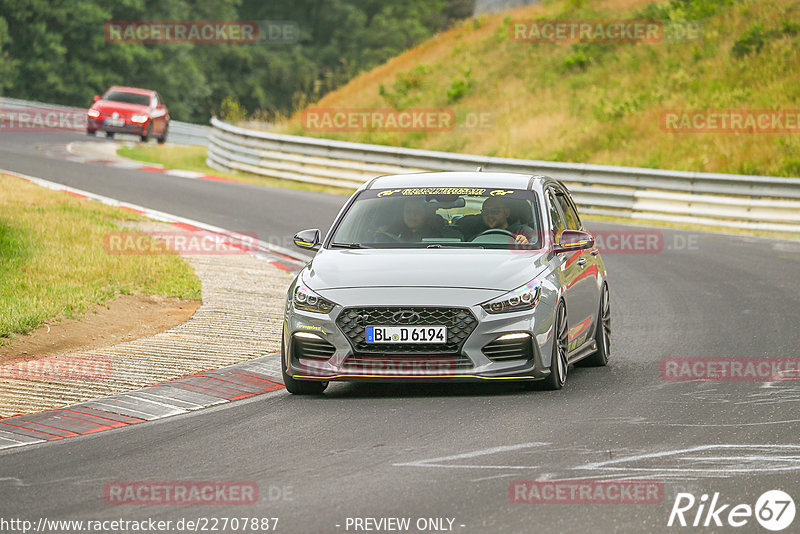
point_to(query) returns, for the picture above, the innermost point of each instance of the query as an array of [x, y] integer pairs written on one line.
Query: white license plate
[[115, 122], [407, 334]]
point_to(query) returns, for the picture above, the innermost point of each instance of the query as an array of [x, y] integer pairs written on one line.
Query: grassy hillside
[[598, 103]]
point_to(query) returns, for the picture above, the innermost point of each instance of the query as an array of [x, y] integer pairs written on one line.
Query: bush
[[406, 85], [460, 87], [231, 110], [752, 40]]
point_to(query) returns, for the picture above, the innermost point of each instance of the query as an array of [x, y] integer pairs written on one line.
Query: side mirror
[[572, 240], [96, 98], [307, 239]]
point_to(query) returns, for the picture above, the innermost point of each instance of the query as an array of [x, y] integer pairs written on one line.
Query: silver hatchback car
[[466, 276]]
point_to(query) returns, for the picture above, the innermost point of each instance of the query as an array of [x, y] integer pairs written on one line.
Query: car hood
[[464, 268], [123, 108]]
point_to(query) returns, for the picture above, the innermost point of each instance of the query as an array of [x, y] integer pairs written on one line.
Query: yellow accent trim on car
[[576, 244], [334, 377]]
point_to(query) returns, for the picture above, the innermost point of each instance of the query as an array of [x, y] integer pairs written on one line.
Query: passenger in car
[[419, 222]]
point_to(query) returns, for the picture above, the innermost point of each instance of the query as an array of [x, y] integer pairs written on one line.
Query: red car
[[129, 110]]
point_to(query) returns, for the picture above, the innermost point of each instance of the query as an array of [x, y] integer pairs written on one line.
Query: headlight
[[94, 113], [139, 118], [307, 300], [523, 298]]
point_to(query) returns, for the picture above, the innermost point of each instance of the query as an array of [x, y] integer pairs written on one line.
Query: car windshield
[[435, 217], [128, 98]]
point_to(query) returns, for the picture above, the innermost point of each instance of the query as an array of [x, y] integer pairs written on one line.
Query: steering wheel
[[391, 237], [495, 231]]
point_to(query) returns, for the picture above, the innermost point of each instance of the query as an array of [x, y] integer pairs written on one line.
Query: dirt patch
[[126, 318]]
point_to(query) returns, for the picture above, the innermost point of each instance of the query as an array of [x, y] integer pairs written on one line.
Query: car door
[[565, 263], [584, 290]]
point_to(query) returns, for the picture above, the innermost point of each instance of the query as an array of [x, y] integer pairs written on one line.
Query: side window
[[573, 222], [555, 214]]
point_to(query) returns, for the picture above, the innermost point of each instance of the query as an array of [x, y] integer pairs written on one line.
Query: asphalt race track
[[270, 213], [452, 450]]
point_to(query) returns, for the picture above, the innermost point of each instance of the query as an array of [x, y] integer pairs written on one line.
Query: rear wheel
[[110, 135], [602, 334], [300, 387], [91, 132], [558, 362]]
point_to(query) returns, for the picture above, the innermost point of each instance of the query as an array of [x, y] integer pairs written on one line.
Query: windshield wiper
[[438, 245], [348, 245]]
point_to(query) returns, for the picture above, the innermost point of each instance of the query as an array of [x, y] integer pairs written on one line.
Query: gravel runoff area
[[240, 319]]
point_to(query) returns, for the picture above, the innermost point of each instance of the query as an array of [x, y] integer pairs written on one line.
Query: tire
[[110, 135], [91, 132], [145, 135], [558, 362], [602, 335], [300, 387], [163, 138]]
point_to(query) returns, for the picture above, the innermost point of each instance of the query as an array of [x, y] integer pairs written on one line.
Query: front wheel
[[300, 387], [602, 334], [163, 138], [145, 135], [558, 362]]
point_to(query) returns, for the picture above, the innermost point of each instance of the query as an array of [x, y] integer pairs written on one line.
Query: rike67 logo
[[774, 510]]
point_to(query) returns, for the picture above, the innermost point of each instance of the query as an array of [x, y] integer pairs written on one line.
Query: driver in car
[[418, 222], [495, 213]]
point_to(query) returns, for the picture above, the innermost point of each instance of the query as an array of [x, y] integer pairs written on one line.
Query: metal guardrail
[[179, 132], [186, 133], [723, 200]]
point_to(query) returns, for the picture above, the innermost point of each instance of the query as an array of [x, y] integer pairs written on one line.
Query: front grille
[[510, 349], [311, 348], [459, 322]]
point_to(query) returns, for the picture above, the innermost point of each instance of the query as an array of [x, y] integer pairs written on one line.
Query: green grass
[[598, 102], [193, 158], [53, 263], [178, 157]]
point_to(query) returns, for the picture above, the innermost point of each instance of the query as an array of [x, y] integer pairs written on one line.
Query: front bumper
[[129, 127], [316, 348]]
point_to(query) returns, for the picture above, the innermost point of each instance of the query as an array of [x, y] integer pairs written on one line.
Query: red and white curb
[[184, 395], [282, 258], [202, 390]]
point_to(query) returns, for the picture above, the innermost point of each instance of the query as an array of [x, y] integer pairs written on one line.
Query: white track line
[[162, 216]]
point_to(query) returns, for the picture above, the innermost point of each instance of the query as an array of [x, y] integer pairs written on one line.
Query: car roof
[[136, 90], [456, 179]]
